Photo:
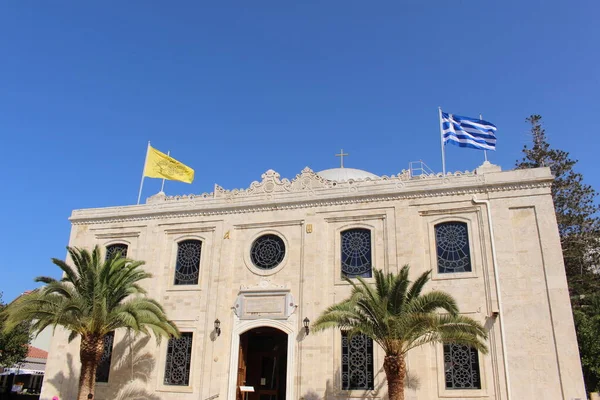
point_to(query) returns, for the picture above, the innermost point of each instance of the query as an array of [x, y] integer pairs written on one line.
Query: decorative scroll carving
[[309, 190], [270, 184], [264, 284], [308, 183]]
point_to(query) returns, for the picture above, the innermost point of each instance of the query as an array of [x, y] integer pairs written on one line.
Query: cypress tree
[[576, 211]]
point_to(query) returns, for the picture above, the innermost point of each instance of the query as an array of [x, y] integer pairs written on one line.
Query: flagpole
[[163, 182], [442, 142], [142, 183], [484, 151]]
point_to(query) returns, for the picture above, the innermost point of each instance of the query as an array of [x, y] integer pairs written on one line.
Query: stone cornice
[[308, 190]]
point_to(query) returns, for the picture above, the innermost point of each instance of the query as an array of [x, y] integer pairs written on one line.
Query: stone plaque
[[264, 301], [264, 306]]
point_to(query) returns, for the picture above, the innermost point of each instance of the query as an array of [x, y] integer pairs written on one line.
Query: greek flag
[[468, 132]]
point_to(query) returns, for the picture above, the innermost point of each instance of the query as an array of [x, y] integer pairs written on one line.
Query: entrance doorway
[[262, 364]]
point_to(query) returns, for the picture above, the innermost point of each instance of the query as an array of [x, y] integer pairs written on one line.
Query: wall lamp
[[218, 327], [306, 325]]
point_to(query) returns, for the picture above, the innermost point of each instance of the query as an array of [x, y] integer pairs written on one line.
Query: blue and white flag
[[468, 132]]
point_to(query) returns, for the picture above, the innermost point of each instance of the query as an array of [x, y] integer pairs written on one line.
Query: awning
[[21, 371]]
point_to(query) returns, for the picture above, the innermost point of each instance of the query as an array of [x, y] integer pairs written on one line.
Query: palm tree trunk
[[395, 372], [90, 352]]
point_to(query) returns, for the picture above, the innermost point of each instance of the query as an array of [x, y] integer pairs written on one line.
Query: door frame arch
[[241, 327]]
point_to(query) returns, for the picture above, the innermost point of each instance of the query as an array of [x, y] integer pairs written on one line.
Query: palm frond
[[433, 301], [418, 285], [94, 297], [397, 315]]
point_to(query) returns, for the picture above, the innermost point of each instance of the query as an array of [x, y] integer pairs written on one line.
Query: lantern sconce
[[218, 327], [306, 325]]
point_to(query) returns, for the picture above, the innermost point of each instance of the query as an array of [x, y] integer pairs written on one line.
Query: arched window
[[187, 267], [356, 253], [112, 249], [452, 243]]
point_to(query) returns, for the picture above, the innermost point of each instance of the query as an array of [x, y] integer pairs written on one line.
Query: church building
[[243, 272]]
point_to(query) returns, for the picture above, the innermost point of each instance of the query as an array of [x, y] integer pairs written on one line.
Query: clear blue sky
[[235, 88]]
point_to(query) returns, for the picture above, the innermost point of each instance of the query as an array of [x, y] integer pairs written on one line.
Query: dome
[[345, 174]]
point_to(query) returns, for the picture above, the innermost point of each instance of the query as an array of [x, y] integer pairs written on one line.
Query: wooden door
[[242, 363]]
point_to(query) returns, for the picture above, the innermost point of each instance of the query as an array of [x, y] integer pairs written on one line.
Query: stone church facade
[[243, 272]]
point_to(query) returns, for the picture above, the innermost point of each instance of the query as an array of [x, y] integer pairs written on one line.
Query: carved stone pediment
[[264, 284], [308, 180], [272, 184]]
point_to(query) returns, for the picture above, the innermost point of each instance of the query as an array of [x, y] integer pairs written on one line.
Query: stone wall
[[309, 213]]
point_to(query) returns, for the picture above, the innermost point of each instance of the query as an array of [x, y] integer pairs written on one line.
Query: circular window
[[267, 251]]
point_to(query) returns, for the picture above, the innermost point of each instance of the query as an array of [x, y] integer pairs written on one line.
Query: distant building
[[240, 271], [28, 375], [42, 341]]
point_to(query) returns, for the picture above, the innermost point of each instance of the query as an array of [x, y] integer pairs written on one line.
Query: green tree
[[587, 324], [576, 210], [13, 344], [579, 230], [395, 314], [94, 297]]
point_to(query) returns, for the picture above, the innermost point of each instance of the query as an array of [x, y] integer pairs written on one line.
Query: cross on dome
[[341, 156]]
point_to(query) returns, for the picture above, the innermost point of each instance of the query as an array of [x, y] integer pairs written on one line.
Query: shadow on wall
[[136, 365], [333, 388], [130, 371], [65, 383]]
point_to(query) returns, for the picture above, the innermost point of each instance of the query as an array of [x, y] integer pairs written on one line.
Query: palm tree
[[396, 315], [94, 297]]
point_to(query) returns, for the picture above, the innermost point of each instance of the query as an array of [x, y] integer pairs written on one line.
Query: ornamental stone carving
[[308, 189]]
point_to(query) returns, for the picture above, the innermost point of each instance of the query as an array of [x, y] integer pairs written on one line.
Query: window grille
[[267, 251], [461, 367], [452, 243], [112, 249], [179, 357], [187, 268], [357, 362], [103, 370], [356, 253]]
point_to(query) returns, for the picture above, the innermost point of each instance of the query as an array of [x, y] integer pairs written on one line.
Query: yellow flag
[[160, 165]]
